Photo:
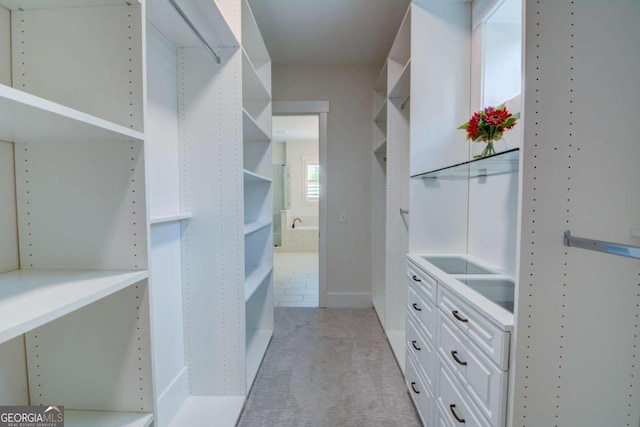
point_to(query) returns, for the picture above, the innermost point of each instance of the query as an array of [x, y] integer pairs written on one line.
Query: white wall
[[348, 180], [297, 153]]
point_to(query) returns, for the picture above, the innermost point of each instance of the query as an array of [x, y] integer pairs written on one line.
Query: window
[[312, 181]]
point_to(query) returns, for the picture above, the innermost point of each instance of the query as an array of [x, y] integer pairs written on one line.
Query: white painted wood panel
[[86, 199], [106, 419], [440, 71], [5, 46], [162, 125], [577, 311], [47, 4], [8, 221], [95, 358], [101, 73], [13, 373], [167, 307], [213, 280], [493, 219], [198, 410], [441, 206]]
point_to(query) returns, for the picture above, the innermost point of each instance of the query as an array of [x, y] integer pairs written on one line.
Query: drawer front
[[422, 351], [491, 339], [484, 382], [421, 395], [425, 283], [455, 404], [424, 310]]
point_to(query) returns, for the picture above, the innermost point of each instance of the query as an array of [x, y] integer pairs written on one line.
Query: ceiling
[[296, 128], [328, 31]]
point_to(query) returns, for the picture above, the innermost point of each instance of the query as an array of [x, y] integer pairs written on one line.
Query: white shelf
[[160, 219], [206, 411], [48, 4], [250, 176], [402, 87], [74, 418], [401, 47], [254, 226], [251, 130], [31, 298], [257, 344], [381, 115], [29, 118], [382, 147], [254, 280], [206, 16], [252, 87]]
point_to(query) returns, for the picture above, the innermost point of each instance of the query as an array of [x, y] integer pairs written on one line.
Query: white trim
[[321, 108], [282, 108], [348, 300]]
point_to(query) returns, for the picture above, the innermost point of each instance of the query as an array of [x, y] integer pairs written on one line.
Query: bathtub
[[303, 238]]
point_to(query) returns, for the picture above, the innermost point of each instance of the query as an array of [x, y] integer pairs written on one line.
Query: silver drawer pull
[[454, 354], [413, 343], [416, 278], [456, 314], [452, 407], [416, 307], [413, 387]]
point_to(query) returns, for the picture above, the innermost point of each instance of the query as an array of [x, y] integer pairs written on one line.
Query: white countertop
[[498, 315]]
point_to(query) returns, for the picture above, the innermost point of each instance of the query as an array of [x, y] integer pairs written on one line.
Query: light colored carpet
[[328, 368]]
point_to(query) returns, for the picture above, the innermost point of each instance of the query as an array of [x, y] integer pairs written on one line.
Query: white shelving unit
[[74, 221], [120, 170], [258, 194], [391, 154]]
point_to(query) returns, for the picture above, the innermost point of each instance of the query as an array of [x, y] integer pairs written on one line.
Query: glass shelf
[[497, 164]]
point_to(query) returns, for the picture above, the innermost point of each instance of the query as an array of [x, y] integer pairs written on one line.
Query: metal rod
[[195, 31], [601, 246], [404, 212], [405, 103]]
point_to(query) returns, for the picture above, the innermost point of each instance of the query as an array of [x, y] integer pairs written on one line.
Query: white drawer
[[421, 395], [422, 351], [491, 339], [424, 310], [484, 382], [454, 405], [425, 283]]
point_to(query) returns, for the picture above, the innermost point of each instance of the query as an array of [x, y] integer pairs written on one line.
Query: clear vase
[[488, 148]]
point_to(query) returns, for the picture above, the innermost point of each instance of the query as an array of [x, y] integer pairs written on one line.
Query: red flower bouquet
[[488, 126]]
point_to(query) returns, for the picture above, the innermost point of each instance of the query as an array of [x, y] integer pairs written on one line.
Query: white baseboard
[[172, 398], [348, 300]]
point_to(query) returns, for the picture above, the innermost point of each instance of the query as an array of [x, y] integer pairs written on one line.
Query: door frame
[[320, 109]]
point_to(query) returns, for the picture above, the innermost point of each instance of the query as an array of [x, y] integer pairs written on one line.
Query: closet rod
[[405, 103], [195, 31], [600, 246]]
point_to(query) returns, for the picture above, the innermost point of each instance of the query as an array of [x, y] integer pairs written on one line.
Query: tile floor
[[295, 279]]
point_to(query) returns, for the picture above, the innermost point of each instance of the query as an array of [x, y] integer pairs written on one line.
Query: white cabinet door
[[484, 382]]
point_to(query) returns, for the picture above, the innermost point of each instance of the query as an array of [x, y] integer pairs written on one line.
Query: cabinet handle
[[413, 343], [415, 307], [413, 387], [452, 408], [456, 314], [454, 354], [416, 278]]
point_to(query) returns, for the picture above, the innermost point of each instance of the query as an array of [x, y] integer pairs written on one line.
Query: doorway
[[296, 214]]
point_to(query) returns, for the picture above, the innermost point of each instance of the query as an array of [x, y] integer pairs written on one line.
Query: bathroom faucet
[[294, 222]]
